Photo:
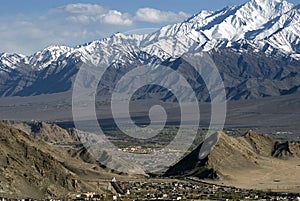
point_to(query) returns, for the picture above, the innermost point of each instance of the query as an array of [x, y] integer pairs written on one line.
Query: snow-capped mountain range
[[270, 27]]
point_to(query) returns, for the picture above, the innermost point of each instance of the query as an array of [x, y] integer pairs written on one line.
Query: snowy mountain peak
[[45, 57], [271, 26], [118, 35], [223, 28], [270, 3], [233, 23], [10, 61], [268, 8], [201, 16]]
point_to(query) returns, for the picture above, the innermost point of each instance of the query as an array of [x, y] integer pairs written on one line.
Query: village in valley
[[188, 189]]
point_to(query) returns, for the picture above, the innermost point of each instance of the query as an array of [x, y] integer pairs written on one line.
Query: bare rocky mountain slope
[[257, 41], [249, 161], [33, 168], [233, 153]]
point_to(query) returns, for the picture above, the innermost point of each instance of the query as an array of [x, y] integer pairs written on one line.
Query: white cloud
[[81, 8], [23, 37], [72, 25], [117, 18], [31, 35], [92, 13], [157, 16], [83, 19]]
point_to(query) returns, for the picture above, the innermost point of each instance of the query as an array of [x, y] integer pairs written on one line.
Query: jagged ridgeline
[[255, 47], [232, 156]]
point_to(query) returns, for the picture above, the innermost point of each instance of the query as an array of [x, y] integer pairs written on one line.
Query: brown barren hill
[[47, 132], [33, 168], [252, 161]]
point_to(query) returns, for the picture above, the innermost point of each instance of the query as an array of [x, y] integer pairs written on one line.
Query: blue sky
[[31, 25]]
